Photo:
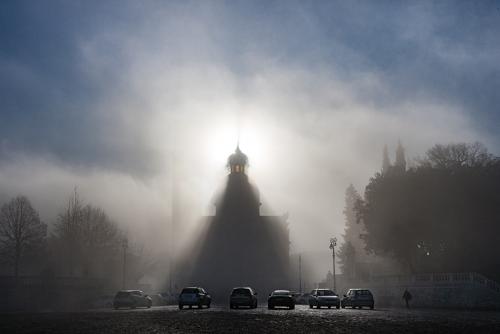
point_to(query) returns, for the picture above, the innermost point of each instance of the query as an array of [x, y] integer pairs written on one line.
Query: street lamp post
[[333, 243], [300, 274], [124, 246]]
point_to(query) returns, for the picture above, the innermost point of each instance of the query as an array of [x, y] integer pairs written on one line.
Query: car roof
[[130, 291], [358, 289], [284, 291]]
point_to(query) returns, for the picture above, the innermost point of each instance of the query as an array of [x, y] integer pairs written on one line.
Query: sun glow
[[224, 139]]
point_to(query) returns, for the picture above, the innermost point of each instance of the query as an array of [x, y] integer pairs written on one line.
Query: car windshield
[[189, 290], [326, 293], [241, 292], [121, 294], [281, 293]]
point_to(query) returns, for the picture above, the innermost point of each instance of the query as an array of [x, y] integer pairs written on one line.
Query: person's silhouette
[[407, 297]]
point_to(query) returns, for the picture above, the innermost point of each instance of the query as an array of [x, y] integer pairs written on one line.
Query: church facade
[[239, 246]]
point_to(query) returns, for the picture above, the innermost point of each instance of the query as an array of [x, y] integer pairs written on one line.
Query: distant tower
[[386, 163], [400, 162]]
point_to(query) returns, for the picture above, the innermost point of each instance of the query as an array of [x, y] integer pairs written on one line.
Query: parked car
[[132, 299], [281, 298], [243, 296], [194, 296], [358, 298], [323, 297]]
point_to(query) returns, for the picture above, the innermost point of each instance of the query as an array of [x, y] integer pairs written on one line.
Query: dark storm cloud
[[52, 98], [48, 98]]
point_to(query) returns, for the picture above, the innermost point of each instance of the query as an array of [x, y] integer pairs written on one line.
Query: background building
[[238, 246]]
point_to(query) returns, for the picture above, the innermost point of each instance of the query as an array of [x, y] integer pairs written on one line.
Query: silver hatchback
[[132, 299], [324, 297], [358, 298]]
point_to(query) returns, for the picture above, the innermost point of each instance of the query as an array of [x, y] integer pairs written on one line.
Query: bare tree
[[87, 236], [20, 230], [458, 155], [68, 230], [100, 238]]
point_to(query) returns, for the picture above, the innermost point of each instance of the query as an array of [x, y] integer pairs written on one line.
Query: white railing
[[431, 279]]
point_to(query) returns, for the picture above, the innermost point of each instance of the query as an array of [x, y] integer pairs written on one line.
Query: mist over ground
[[120, 99]]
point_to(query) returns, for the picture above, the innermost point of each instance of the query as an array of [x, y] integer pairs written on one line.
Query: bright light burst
[[253, 141]]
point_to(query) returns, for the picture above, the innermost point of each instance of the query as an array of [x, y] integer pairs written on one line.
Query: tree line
[[83, 242], [440, 215]]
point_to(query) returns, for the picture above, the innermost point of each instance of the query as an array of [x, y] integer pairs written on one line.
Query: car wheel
[[338, 306], [292, 307], [329, 306], [371, 307], [190, 306], [231, 306], [343, 306], [270, 307], [181, 306], [310, 306], [208, 305]]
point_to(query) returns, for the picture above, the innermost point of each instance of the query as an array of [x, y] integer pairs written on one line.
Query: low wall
[[438, 290], [40, 294]]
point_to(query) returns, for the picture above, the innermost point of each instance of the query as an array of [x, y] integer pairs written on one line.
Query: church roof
[[237, 158]]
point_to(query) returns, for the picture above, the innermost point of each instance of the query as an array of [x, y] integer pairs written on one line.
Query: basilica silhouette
[[239, 246]]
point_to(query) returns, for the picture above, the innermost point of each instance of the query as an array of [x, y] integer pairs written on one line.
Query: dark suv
[[244, 296], [194, 296], [358, 298]]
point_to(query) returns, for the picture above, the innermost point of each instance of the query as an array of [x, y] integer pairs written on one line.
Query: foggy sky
[[121, 97]]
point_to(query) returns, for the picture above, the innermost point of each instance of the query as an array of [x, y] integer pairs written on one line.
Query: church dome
[[237, 161]]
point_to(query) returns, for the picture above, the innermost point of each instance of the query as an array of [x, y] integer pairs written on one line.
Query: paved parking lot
[[261, 320]]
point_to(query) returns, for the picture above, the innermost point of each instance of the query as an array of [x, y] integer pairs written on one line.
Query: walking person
[[407, 297]]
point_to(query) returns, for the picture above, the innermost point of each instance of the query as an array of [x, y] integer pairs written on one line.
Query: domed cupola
[[237, 161]]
